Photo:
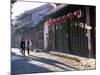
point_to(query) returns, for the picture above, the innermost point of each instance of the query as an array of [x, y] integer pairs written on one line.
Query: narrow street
[[60, 35], [40, 62]]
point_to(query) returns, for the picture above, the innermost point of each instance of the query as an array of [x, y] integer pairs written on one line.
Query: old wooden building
[[72, 30]]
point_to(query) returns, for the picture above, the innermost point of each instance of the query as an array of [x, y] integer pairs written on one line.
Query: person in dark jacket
[[22, 46]]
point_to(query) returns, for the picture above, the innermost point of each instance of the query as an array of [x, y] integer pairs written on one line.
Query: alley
[[61, 37], [39, 62]]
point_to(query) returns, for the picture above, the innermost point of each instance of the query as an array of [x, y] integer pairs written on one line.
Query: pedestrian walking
[[22, 46], [28, 46]]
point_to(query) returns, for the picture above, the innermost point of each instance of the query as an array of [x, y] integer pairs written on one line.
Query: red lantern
[[65, 17], [54, 21], [71, 15], [48, 22], [51, 22], [77, 13], [59, 19]]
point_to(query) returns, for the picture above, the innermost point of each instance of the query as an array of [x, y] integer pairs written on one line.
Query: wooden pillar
[[54, 38]]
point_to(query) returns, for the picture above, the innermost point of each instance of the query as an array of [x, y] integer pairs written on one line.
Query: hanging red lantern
[[50, 22], [54, 21], [60, 19], [65, 17], [71, 15], [77, 13]]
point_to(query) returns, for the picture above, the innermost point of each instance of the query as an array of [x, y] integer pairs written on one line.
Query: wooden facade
[[74, 36]]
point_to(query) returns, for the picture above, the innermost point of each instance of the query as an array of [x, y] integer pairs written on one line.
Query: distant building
[[24, 25]]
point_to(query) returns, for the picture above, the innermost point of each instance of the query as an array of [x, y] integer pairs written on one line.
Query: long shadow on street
[[51, 62], [22, 66]]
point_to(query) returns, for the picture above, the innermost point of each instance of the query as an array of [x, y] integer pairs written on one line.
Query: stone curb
[[69, 56], [85, 63]]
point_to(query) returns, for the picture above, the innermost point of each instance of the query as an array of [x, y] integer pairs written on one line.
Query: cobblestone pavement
[[40, 62]]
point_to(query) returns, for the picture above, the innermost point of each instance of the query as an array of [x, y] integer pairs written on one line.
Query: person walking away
[[22, 45], [28, 46]]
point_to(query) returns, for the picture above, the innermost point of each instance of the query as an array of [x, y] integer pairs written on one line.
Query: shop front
[[71, 32]]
